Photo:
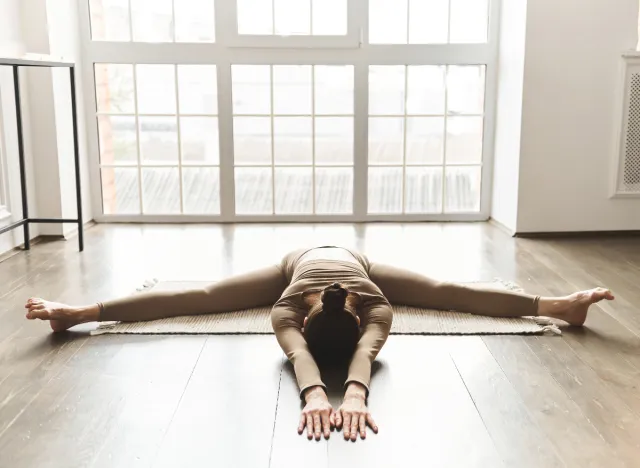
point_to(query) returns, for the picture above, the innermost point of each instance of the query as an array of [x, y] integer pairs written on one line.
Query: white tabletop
[[36, 60]]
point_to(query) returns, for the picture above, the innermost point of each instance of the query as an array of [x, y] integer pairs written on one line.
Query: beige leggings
[[264, 287]]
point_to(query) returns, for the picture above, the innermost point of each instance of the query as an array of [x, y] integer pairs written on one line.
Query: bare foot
[[61, 316], [573, 308]]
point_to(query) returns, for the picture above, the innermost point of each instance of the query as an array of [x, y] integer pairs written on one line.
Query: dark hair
[[332, 331]]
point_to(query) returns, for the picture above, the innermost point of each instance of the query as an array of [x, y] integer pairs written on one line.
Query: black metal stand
[[26, 220]]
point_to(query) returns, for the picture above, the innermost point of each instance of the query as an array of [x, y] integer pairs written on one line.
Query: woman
[[330, 303]]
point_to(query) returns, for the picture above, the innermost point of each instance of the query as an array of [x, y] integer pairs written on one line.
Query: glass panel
[[333, 89], [386, 135], [294, 190], [152, 20], [158, 140], [160, 190], [465, 89], [195, 21], [425, 140], [464, 140], [251, 89], [462, 189], [425, 89], [469, 21], [334, 190], [329, 17], [120, 193], [156, 89], [252, 140], [292, 17], [201, 190], [118, 140], [292, 89], [114, 88], [385, 190], [253, 190], [386, 90], [109, 20], [423, 190], [428, 21], [199, 140], [292, 140], [255, 16], [197, 88], [334, 140], [388, 21]]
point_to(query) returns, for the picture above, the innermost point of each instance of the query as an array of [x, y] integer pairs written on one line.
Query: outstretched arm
[[317, 415], [354, 414]]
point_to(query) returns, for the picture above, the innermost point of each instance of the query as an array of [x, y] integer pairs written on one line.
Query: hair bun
[[334, 299]]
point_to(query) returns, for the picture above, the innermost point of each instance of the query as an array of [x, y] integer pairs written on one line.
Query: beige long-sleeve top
[[305, 270]]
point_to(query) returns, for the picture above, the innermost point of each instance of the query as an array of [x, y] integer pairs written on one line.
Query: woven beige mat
[[406, 320]]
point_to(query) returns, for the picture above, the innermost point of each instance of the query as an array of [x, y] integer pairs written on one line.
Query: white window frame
[[298, 51]]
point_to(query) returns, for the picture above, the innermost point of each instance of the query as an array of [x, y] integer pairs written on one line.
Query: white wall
[[504, 207], [571, 79], [11, 44], [49, 27]]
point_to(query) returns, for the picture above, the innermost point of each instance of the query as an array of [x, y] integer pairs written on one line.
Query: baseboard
[[501, 227], [575, 234]]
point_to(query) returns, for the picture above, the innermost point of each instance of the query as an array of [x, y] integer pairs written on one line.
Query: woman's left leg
[[405, 287]]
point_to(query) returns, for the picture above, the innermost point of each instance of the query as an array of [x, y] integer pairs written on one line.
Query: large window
[[238, 110]]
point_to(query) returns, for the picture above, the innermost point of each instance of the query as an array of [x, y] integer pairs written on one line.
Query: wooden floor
[[71, 400]]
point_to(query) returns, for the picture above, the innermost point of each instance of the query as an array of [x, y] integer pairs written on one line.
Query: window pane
[[386, 90], [462, 189], [428, 21], [160, 190], [334, 140], [386, 135], [251, 89], [152, 20], [199, 140], [292, 89], [201, 190], [255, 16], [120, 193], [469, 21], [294, 190], [292, 140], [158, 140], [385, 190], [110, 20], [252, 140], [425, 140], [423, 190], [195, 21], [292, 17], [198, 90], [334, 190], [114, 88], [465, 89], [425, 89], [464, 140], [156, 89], [253, 190], [388, 21], [333, 89], [118, 140], [329, 17]]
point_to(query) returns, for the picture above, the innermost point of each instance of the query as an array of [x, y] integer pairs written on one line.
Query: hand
[[317, 415], [354, 413]]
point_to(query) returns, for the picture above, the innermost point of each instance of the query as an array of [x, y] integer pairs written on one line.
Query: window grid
[[313, 165], [139, 164], [445, 164]]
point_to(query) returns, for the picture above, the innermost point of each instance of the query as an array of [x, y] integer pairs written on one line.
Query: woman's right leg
[[259, 288]]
